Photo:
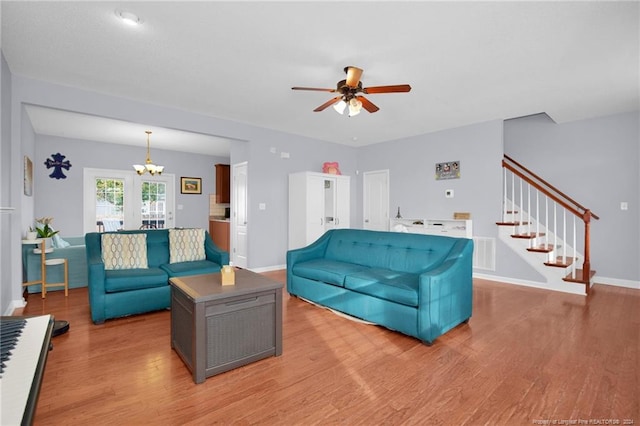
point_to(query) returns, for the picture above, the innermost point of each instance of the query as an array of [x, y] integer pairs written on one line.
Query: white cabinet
[[446, 227], [317, 202]]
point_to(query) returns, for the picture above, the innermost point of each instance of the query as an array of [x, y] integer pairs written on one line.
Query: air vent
[[484, 253]]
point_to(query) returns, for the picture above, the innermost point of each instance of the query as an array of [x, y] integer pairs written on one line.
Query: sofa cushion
[[190, 268], [325, 270], [399, 287], [389, 250], [124, 251], [186, 245], [134, 279]]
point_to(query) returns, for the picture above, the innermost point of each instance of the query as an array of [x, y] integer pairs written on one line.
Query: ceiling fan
[[349, 93]]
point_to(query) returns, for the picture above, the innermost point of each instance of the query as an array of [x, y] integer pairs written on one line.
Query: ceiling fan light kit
[[349, 91]]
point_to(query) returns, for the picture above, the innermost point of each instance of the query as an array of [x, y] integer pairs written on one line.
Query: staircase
[[544, 226]]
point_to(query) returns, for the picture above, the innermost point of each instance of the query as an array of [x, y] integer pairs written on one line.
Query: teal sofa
[[76, 260], [119, 292], [419, 285]]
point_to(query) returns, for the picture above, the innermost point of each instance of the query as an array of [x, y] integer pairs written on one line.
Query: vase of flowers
[[43, 229]]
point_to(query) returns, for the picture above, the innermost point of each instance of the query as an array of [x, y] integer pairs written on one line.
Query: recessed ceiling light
[[129, 18]]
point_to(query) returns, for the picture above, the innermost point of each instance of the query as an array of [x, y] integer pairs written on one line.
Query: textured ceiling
[[467, 62]]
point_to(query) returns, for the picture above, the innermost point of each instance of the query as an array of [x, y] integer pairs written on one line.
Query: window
[[109, 204], [117, 199], [154, 206]]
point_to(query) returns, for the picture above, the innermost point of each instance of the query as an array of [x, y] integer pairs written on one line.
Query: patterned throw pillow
[[124, 251], [186, 245]]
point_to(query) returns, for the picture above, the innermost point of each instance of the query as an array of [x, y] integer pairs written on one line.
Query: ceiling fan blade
[[353, 76], [328, 104], [316, 89], [367, 104], [387, 89]]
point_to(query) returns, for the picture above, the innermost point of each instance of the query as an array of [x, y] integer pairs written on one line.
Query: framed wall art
[[449, 170], [28, 176], [190, 185]]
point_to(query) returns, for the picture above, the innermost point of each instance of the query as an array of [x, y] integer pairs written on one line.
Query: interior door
[[316, 214], [343, 202], [156, 201], [376, 200], [239, 220]]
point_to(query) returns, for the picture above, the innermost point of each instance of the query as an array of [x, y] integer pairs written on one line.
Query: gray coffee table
[[216, 328]]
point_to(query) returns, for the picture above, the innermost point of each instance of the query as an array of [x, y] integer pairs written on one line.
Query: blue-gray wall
[[596, 162], [411, 162], [62, 199], [268, 183], [413, 187]]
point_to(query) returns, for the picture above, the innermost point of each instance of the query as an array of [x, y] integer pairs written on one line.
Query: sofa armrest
[[96, 276], [445, 294], [213, 252], [315, 250]]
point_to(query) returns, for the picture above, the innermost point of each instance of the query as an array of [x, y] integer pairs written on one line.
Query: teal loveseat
[[419, 285], [119, 291]]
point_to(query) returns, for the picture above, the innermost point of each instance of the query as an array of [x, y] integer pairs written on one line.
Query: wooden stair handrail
[[542, 189], [556, 190]]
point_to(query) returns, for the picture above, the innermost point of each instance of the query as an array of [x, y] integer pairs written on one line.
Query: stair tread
[[544, 248], [579, 278], [511, 223], [528, 235], [568, 261]]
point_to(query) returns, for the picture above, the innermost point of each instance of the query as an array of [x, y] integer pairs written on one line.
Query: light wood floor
[[527, 355]]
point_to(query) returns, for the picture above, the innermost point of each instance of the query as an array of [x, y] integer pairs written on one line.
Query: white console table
[[446, 227]]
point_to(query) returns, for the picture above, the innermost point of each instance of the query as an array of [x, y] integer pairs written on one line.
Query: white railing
[[518, 183]]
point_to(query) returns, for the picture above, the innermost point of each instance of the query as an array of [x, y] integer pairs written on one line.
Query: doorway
[[117, 199], [375, 208]]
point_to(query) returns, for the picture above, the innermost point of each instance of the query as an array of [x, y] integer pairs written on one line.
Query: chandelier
[[148, 165]]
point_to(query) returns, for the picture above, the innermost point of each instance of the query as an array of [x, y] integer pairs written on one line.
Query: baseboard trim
[[574, 289], [617, 282], [268, 268], [13, 305]]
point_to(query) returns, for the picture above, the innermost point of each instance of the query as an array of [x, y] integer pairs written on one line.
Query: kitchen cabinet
[[318, 202], [219, 231], [223, 184]]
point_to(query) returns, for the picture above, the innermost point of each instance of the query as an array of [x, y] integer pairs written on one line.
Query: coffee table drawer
[[237, 303]]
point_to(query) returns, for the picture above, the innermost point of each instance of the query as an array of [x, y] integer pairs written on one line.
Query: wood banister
[[542, 189], [547, 184]]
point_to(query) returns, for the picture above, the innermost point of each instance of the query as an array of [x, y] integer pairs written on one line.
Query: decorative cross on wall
[[58, 163]]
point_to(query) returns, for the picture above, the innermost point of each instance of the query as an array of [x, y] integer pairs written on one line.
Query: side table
[[216, 328], [42, 251]]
